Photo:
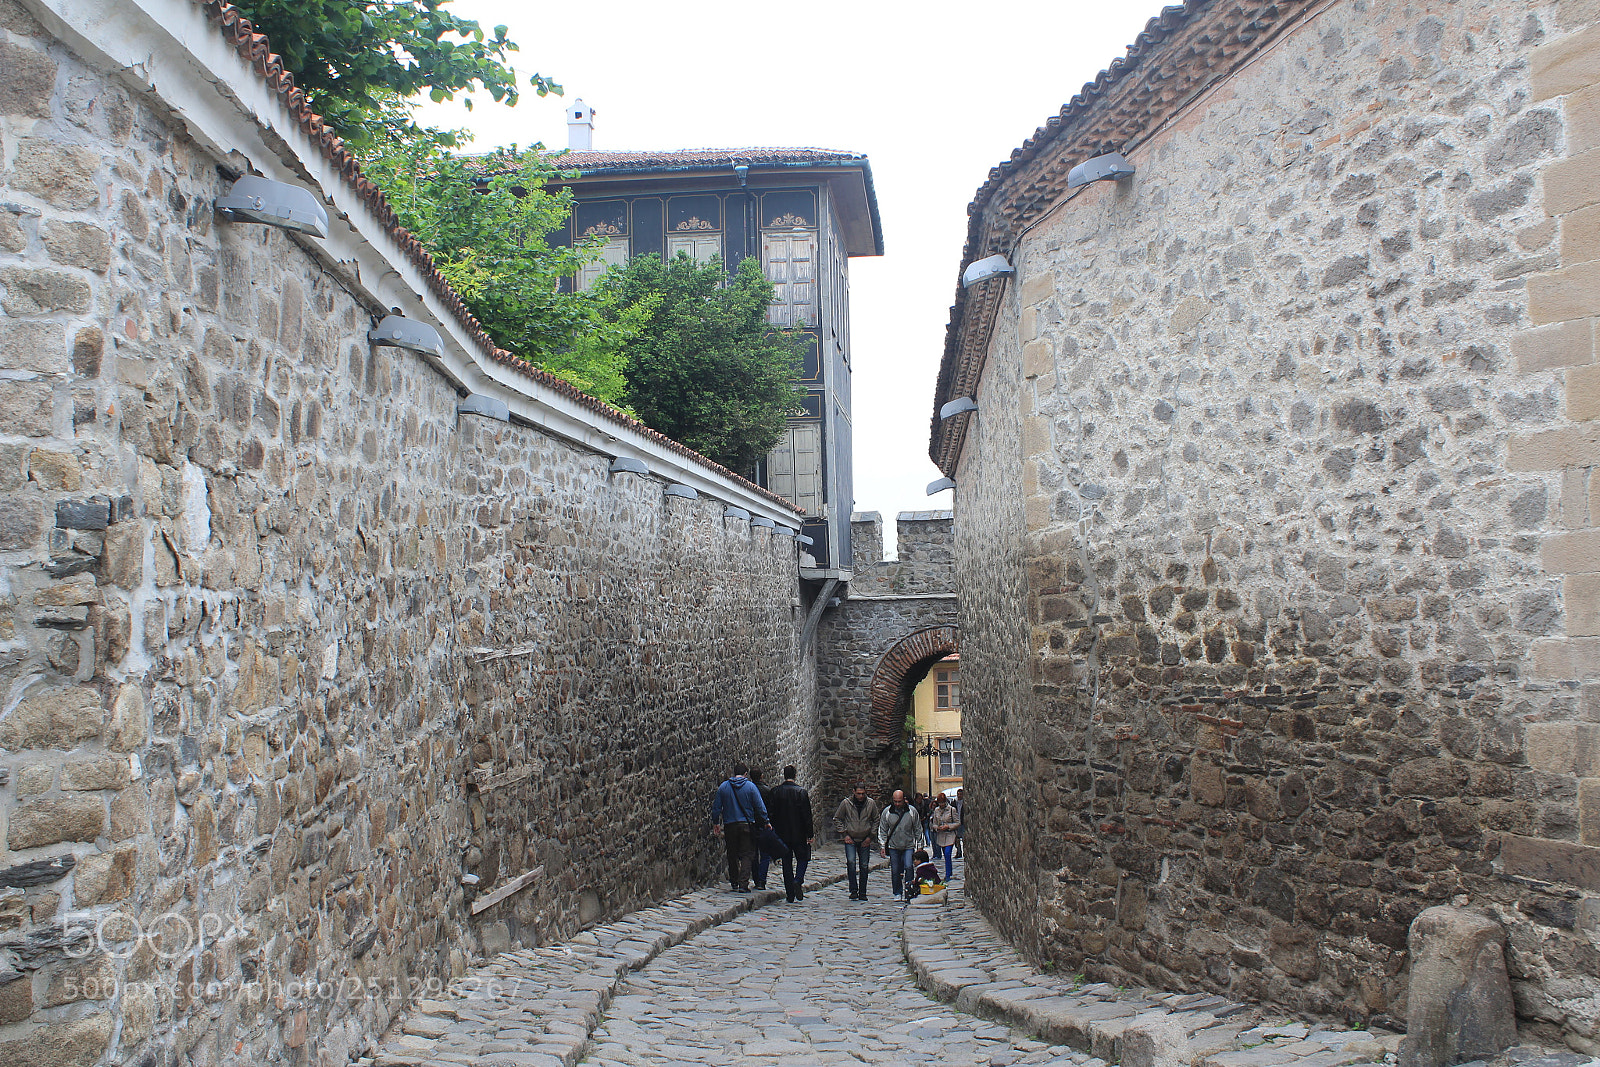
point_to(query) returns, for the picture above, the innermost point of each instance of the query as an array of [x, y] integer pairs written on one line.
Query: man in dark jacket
[[790, 809], [737, 812]]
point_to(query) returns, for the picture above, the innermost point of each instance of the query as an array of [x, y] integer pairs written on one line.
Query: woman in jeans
[[945, 824]]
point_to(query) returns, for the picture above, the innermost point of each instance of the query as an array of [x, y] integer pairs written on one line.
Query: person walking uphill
[[856, 823], [790, 809], [944, 822], [737, 812], [900, 830]]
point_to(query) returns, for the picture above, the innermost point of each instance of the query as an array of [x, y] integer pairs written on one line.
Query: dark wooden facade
[[804, 213]]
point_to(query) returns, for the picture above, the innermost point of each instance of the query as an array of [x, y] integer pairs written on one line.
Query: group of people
[[759, 825]]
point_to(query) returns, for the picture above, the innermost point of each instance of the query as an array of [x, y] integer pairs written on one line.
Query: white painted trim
[[171, 53]]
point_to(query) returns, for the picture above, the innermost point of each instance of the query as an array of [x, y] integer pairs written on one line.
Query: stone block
[[1156, 1041], [1038, 288], [29, 83], [78, 589], [16, 1001], [105, 877], [1573, 292], [77, 244], [129, 725], [1564, 747], [1580, 599], [1580, 235], [1577, 552], [1566, 64], [122, 562], [1559, 658], [88, 346], [93, 978], [91, 514], [39, 778], [1583, 393], [1561, 862], [1589, 811], [1563, 344], [26, 408], [12, 236], [55, 470], [35, 346], [21, 523], [50, 822], [74, 1043], [61, 175], [105, 772], [56, 718], [1570, 185], [1459, 1006], [1572, 446], [34, 291], [1038, 357], [1583, 119]]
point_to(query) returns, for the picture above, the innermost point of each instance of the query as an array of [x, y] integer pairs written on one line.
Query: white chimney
[[580, 126]]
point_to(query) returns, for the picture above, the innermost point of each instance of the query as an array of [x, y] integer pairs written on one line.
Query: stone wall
[[1273, 528], [888, 603], [289, 651]]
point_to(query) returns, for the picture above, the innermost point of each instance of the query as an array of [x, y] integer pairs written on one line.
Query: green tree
[[704, 367], [361, 62], [486, 220]]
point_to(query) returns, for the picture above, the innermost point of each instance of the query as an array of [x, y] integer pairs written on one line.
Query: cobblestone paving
[[823, 981]]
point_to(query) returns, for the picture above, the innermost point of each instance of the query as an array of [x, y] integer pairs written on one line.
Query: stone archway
[[900, 668]]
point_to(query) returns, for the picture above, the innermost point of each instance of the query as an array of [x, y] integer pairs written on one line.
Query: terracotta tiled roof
[[257, 51], [698, 158], [1182, 51]]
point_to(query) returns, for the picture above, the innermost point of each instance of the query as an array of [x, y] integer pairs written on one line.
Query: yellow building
[[936, 707]]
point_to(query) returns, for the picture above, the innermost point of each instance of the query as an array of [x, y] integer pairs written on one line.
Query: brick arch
[[908, 659]]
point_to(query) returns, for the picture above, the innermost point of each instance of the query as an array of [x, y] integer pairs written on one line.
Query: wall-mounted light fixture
[[688, 492], [731, 512], [742, 172], [412, 335], [761, 520], [957, 406], [487, 406], [1110, 167], [803, 539], [628, 465], [271, 203], [784, 531], [940, 486], [985, 268]]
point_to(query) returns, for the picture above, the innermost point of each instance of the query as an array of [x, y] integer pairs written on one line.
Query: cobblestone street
[[818, 982]]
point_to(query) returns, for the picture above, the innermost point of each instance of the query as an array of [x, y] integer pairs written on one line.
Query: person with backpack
[[737, 814], [900, 831]]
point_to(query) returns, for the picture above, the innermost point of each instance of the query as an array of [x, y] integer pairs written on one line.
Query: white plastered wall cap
[[273, 203]]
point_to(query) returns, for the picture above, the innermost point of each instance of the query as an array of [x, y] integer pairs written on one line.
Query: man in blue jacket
[[737, 812]]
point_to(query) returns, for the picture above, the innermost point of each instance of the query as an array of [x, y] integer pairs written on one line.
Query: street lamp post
[[930, 750]]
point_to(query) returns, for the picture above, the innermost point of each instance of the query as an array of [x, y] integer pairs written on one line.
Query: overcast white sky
[[934, 93]]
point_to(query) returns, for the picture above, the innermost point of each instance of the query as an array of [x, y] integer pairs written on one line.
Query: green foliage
[[705, 367], [361, 61], [485, 219]]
